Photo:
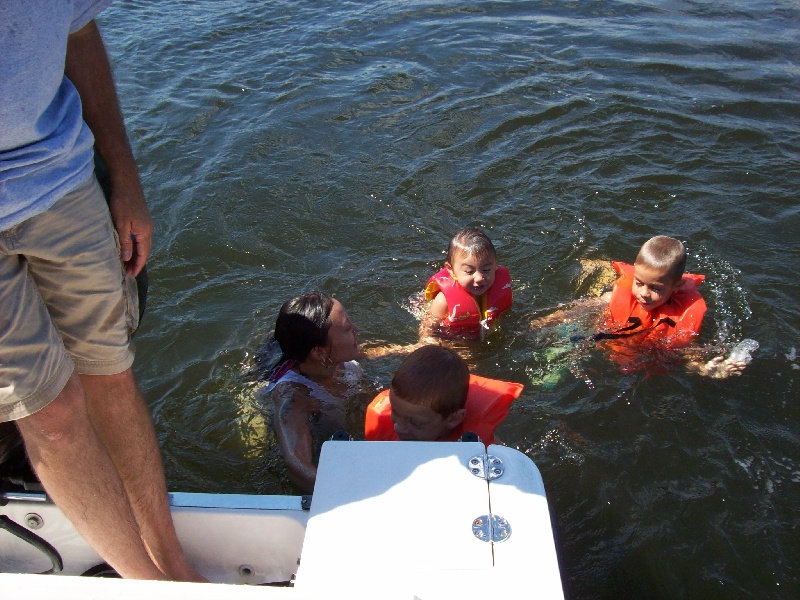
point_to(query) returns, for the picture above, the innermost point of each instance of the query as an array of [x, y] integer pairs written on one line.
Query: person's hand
[[133, 224], [87, 67], [721, 368]]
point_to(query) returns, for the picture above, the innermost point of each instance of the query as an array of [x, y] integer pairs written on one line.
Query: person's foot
[[189, 574], [179, 570]]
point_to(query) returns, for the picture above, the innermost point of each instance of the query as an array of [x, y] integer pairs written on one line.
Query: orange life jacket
[[464, 312], [674, 323], [488, 402]]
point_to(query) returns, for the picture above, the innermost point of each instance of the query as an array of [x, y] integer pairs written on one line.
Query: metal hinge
[[491, 528], [486, 467]]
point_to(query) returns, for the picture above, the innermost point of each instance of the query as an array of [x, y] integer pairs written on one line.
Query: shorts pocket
[[131, 302], [130, 290]]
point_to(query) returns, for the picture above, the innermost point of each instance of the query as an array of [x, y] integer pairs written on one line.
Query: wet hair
[[302, 325], [433, 376], [470, 242], [665, 254]]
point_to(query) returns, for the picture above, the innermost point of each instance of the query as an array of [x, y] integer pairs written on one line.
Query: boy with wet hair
[[464, 298], [665, 254], [429, 393], [652, 298], [470, 292], [656, 301], [653, 303], [433, 397]]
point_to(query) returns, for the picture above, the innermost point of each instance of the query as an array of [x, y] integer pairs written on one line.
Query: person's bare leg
[[78, 474], [124, 424]]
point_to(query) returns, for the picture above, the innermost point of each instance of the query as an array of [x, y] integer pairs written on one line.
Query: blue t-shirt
[[46, 149]]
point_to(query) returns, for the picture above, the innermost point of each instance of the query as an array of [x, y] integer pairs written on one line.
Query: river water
[[289, 146]]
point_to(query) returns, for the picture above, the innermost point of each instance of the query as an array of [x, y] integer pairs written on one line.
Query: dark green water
[[291, 146]]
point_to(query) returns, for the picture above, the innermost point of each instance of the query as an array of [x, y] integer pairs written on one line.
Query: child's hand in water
[[390, 349], [721, 368]]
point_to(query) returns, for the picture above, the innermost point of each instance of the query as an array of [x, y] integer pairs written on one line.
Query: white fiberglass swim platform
[[387, 520]]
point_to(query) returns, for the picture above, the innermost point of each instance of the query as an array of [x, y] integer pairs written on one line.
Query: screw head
[[33, 521]]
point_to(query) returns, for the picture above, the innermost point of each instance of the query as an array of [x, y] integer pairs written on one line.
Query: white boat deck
[[388, 520]]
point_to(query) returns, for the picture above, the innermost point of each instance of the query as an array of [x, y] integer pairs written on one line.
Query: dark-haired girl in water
[[312, 380]]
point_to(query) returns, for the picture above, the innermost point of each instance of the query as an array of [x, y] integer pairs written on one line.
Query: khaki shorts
[[66, 303]]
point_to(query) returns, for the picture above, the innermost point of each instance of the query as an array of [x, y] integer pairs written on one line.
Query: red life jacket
[[674, 323], [488, 402], [464, 312]]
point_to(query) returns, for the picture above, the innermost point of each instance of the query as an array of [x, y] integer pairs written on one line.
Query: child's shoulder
[[438, 305]]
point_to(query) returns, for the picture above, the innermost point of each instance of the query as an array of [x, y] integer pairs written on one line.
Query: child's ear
[[449, 268], [454, 419], [678, 284]]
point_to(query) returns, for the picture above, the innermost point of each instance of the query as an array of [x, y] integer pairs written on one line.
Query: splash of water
[[723, 291], [416, 305]]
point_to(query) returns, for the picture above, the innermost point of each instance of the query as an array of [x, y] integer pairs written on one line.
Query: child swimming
[[463, 299], [653, 304], [470, 292], [433, 397], [653, 298]]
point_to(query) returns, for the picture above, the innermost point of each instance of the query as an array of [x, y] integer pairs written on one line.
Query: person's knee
[[61, 421], [118, 382]]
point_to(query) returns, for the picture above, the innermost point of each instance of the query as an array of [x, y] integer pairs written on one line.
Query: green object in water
[[554, 352], [551, 380]]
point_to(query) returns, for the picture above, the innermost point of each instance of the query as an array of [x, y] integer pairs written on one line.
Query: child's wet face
[[476, 275], [652, 287], [342, 335], [413, 422]]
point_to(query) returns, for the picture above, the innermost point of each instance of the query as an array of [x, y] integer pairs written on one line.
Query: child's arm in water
[[437, 308], [293, 408], [576, 309], [593, 286], [389, 350], [435, 312], [718, 367]]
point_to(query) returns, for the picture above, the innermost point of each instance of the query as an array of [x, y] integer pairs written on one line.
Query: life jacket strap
[[623, 332], [626, 331]]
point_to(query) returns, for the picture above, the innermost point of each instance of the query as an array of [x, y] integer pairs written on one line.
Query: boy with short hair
[[653, 302], [653, 298], [433, 397]]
